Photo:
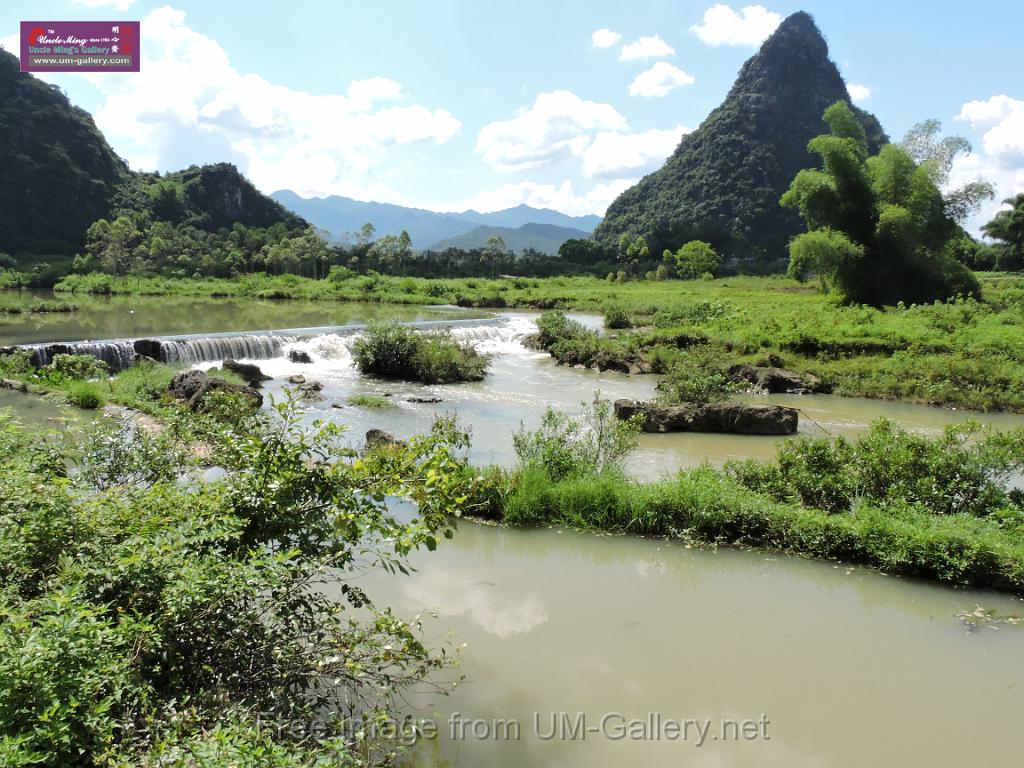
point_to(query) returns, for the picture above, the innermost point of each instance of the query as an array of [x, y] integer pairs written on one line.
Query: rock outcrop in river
[[193, 386], [739, 418], [775, 380]]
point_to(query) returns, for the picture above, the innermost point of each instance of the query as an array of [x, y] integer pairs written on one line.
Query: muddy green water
[[848, 667]]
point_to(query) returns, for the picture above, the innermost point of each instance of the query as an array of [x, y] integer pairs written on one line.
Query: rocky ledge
[[193, 386], [739, 418], [774, 380]]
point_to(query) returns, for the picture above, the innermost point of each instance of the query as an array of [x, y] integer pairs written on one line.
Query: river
[[819, 664]]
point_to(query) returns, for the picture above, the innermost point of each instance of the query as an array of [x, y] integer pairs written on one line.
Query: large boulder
[[299, 356], [775, 380], [193, 386], [251, 373], [378, 438], [738, 418]]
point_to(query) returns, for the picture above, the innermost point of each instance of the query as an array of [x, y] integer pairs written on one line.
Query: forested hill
[[58, 175], [724, 181], [57, 172]]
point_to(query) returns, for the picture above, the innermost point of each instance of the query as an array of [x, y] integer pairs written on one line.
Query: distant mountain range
[[545, 238], [429, 229]]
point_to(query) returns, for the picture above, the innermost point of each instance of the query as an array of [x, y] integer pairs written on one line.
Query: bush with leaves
[[395, 351], [596, 443], [965, 471], [697, 376], [148, 615]]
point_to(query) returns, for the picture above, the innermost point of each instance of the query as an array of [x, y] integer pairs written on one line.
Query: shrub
[[697, 376], [393, 351], [85, 394], [370, 401], [616, 317], [957, 473], [78, 367], [566, 447]]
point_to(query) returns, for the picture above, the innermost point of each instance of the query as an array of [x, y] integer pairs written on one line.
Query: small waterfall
[[210, 348], [116, 354], [495, 336]]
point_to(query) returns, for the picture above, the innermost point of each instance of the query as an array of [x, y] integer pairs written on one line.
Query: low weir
[[190, 349]]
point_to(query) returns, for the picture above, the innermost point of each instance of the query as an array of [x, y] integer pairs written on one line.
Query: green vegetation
[[83, 381], [145, 623], [694, 259], [964, 352], [697, 375], [1008, 228], [878, 229], [899, 502], [616, 317], [395, 351], [564, 447], [371, 401]]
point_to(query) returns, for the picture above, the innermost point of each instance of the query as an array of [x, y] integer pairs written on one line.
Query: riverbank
[[963, 354]]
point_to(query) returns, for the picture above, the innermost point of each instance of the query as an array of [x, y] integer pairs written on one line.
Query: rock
[[147, 348], [248, 371], [192, 387], [299, 356], [739, 418], [17, 386], [423, 399], [378, 438], [311, 390], [775, 380], [297, 379], [337, 405]]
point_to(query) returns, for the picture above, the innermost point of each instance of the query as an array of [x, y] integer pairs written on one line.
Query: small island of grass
[[393, 351]]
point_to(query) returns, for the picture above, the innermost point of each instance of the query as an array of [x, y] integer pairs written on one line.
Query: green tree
[[1008, 228], [937, 157], [877, 226], [696, 258]]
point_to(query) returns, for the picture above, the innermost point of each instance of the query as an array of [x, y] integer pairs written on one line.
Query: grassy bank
[[705, 506], [936, 508], [84, 382], [963, 353]]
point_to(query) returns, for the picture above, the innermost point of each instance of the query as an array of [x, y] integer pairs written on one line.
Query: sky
[[456, 104]]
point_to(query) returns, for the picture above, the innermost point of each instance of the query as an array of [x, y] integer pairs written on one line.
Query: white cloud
[[10, 43], [724, 26], [188, 98], [652, 47], [559, 197], [604, 38], [117, 5], [628, 155], [858, 92], [1000, 160], [558, 125], [659, 80], [1001, 118]]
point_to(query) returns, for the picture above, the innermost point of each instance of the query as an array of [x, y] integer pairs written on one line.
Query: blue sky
[[448, 104]]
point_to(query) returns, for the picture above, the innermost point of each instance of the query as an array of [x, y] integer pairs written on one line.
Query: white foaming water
[[504, 339]]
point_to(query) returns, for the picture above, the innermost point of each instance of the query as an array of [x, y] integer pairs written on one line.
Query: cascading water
[[500, 335]]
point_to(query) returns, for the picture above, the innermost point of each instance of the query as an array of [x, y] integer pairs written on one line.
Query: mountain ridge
[[723, 182], [338, 215], [545, 238]]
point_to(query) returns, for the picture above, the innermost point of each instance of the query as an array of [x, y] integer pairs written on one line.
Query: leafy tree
[[937, 156], [878, 226], [696, 258], [1008, 227]]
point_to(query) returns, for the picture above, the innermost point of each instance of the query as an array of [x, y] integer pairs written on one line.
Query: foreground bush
[[394, 351], [148, 617]]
